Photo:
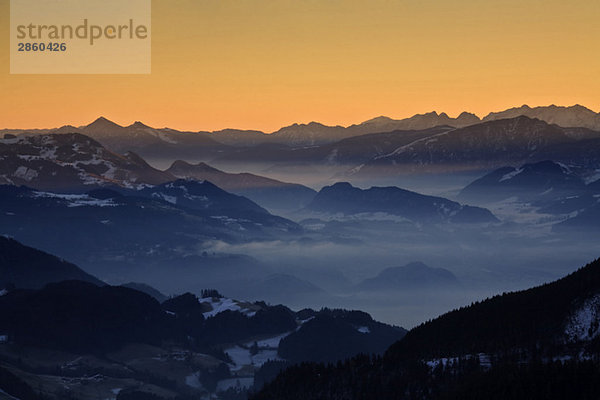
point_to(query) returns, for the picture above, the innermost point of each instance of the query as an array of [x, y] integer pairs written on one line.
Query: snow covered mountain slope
[[71, 162], [542, 181]]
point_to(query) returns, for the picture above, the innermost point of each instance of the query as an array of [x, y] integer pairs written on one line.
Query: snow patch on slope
[[221, 304], [584, 323], [511, 175], [193, 380], [25, 173], [242, 357], [162, 196], [78, 200]]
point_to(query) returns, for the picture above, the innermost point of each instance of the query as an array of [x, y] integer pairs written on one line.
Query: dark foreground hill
[[78, 340], [541, 343], [29, 268]]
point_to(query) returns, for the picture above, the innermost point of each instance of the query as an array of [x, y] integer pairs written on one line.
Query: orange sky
[[263, 64]]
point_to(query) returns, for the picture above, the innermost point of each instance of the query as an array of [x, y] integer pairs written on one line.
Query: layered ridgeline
[[488, 145], [511, 137], [146, 139], [74, 163], [140, 233], [388, 156], [343, 198], [535, 344], [270, 193], [75, 339], [345, 153], [137, 220], [573, 116], [186, 229], [549, 187], [379, 149]]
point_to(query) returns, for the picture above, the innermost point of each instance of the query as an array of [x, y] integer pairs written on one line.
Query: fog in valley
[[326, 264]]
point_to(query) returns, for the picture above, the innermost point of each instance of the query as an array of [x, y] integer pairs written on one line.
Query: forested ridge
[[512, 346]]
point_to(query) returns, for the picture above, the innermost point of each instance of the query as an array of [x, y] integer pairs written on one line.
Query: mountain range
[[379, 150], [346, 153], [141, 212], [489, 145], [133, 234], [573, 116], [147, 141], [386, 156], [77, 163], [151, 142], [140, 219]]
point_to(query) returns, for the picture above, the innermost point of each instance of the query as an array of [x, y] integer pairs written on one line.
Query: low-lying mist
[[360, 261], [328, 265]]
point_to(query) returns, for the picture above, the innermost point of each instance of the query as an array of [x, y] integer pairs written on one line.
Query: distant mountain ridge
[[489, 145], [413, 276], [346, 199], [139, 135], [416, 122], [349, 152], [73, 162], [143, 139], [552, 188], [381, 158], [379, 150], [268, 192], [535, 182], [567, 117]]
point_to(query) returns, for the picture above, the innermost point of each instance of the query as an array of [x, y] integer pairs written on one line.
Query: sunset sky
[[263, 64]]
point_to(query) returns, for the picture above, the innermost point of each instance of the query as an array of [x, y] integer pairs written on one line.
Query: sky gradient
[[263, 64]]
